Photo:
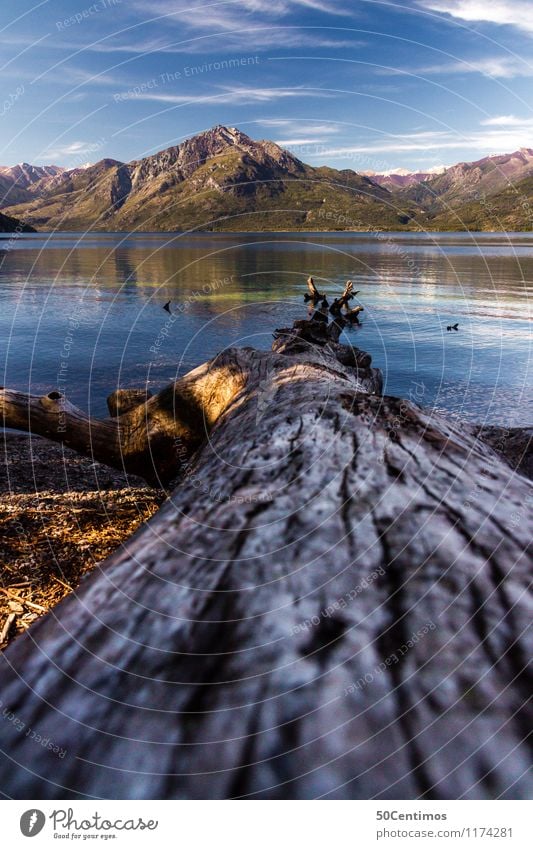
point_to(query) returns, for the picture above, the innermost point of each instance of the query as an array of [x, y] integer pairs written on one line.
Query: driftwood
[[332, 603], [343, 302], [6, 628], [353, 314], [313, 295]]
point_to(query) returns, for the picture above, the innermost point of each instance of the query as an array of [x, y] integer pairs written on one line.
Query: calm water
[[86, 311]]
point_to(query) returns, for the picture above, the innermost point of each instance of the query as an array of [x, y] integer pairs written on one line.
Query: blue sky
[[359, 84]]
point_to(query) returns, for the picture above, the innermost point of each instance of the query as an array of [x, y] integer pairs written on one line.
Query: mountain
[[401, 178], [18, 181], [220, 179], [469, 182], [508, 210]]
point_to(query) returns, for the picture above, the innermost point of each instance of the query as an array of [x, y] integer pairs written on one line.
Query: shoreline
[[405, 230]]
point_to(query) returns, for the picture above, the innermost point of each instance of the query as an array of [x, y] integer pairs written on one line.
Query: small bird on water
[[453, 326], [167, 306]]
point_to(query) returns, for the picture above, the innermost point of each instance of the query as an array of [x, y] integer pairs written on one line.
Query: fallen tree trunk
[[332, 603], [154, 437]]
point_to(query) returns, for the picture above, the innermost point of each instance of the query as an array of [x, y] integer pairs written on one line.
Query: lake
[[85, 310]]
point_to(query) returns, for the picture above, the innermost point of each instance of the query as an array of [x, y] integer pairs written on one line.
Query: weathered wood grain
[[253, 639]]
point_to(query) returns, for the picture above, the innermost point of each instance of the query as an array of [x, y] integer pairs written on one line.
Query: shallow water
[[85, 311]]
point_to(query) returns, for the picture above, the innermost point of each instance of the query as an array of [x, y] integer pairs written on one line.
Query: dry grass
[[60, 515]]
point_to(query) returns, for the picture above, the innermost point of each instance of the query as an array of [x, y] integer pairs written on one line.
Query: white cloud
[[299, 142], [517, 13], [79, 149], [294, 126], [508, 121], [78, 76], [301, 134], [253, 24]]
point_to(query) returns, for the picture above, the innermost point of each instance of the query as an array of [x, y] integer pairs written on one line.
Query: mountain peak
[[221, 134], [226, 132], [183, 160]]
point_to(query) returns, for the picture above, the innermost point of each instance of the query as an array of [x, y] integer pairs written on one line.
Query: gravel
[[60, 515]]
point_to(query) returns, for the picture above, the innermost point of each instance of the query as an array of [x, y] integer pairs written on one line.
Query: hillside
[[219, 179], [508, 210], [469, 182]]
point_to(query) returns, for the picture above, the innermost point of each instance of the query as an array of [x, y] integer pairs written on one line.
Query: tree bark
[[123, 400], [332, 603]]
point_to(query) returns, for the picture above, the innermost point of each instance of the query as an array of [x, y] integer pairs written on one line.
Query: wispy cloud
[[501, 67], [296, 126], [517, 13], [77, 149], [299, 141], [502, 139], [246, 38], [11, 39], [229, 14], [79, 76], [234, 95], [256, 24], [301, 133]]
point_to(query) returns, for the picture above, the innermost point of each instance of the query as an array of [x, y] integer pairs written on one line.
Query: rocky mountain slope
[[401, 178], [510, 210], [470, 182], [18, 182], [222, 179], [219, 179]]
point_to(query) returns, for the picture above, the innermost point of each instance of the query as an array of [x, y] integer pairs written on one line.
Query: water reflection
[[105, 292]]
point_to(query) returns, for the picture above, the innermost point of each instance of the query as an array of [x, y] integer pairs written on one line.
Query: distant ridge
[[17, 180], [401, 178], [218, 179], [222, 179], [468, 181]]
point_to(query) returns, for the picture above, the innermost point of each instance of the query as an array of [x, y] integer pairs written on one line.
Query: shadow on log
[[332, 603]]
